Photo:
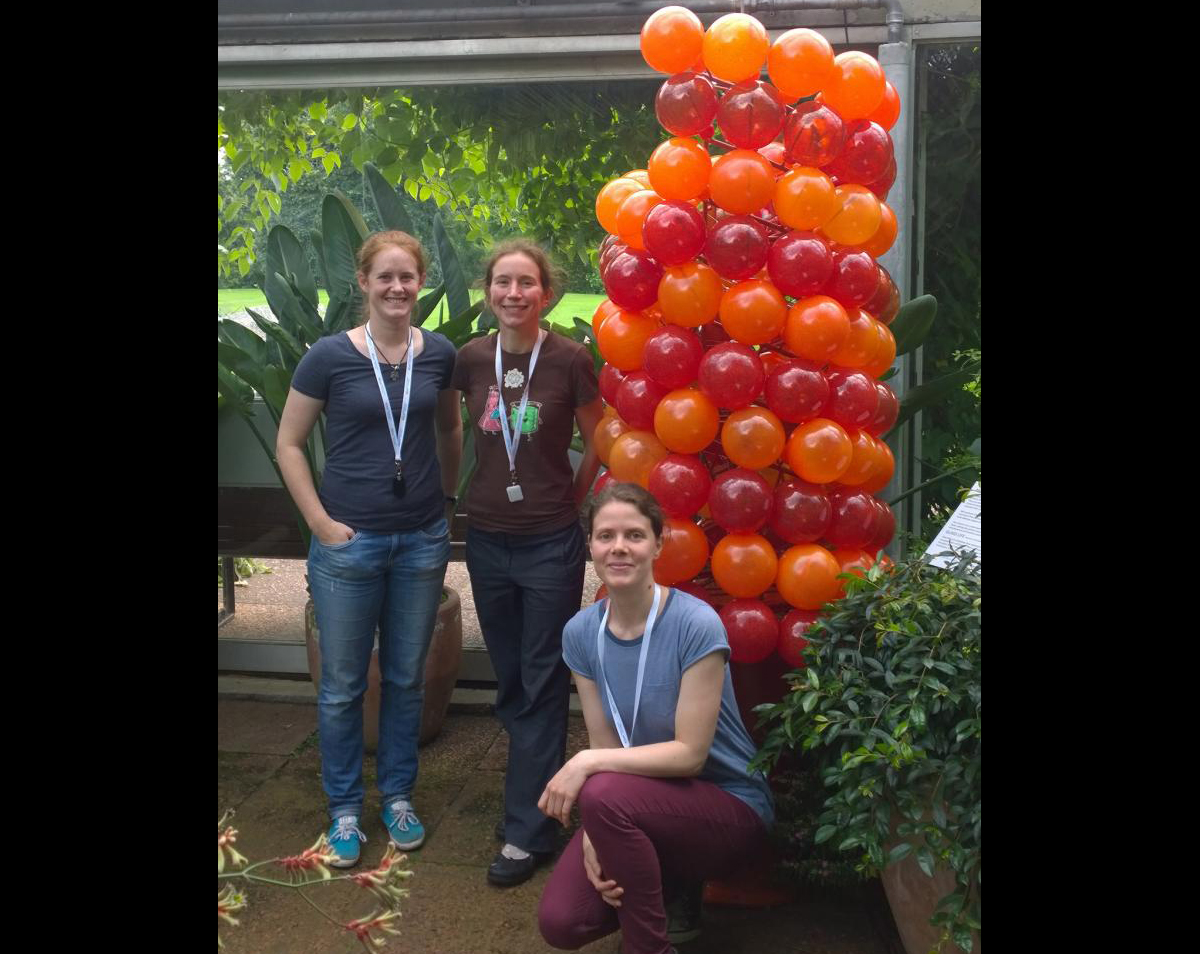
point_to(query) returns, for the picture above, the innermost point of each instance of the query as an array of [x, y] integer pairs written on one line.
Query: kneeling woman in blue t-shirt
[[663, 790]]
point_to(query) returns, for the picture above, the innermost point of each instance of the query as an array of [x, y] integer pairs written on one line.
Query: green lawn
[[230, 300]]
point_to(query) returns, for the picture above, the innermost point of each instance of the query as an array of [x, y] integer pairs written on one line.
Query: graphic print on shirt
[[489, 422]]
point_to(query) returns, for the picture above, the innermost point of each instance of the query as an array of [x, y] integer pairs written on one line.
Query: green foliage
[[952, 422], [889, 706], [243, 567], [799, 801]]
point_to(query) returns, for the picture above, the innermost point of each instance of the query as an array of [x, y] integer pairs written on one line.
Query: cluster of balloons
[[746, 322]]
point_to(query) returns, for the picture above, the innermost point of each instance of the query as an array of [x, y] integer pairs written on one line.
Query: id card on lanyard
[[512, 439], [641, 670]]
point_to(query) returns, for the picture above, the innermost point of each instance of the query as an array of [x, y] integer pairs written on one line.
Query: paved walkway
[[268, 770]]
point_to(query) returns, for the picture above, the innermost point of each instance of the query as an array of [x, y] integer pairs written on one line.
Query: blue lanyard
[[641, 670], [396, 435]]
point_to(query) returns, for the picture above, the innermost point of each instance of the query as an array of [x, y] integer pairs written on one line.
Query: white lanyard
[[513, 439], [641, 670], [396, 435]]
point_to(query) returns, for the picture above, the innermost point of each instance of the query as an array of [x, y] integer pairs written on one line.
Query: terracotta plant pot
[[441, 670], [913, 896]]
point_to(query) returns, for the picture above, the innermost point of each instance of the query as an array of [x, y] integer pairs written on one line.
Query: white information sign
[[963, 531]]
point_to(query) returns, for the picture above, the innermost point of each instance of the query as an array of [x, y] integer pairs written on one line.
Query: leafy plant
[[889, 705], [242, 567]]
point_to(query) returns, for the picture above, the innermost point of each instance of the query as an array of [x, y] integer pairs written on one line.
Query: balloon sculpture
[[747, 321]]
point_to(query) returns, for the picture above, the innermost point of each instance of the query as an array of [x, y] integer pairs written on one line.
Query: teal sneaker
[[344, 836], [404, 828]]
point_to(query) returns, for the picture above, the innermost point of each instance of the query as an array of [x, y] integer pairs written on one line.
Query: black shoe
[[509, 872], [499, 830], [683, 913]]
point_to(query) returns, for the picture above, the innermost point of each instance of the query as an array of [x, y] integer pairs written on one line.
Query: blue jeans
[[393, 581]]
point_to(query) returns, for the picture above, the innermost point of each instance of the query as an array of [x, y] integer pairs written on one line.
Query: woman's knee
[[559, 926], [602, 796]]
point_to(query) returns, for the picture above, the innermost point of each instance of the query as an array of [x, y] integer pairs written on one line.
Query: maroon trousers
[[645, 831]]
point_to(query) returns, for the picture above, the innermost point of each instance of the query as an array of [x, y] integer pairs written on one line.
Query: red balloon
[[736, 248], [796, 390], [884, 183], [632, 280], [637, 398], [885, 529], [752, 629], [739, 500], [791, 636], [866, 155], [680, 484], [800, 512], [853, 399], [686, 104], [800, 263], [610, 379], [886, 301], [673, 233], [603, 481], [855, 519], [854, 278], [751, 114], [814, 135], [886, 414], [698, 591], [731, 374], [672, 356]]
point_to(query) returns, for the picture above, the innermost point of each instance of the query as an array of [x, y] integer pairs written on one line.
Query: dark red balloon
[[609, 251], [610, 379], [796, 390], [698, 591], [752, 629], [680, 484], [632, 278], [674, 233], [865, 156], [791, 636], [686, 104], [736, 248], [886, 413], [800, 263], [713, 334], [740, 500], [885, 528], [603, 481], [800, 511], [731, 374], [853, 399], [814, 135], [854, 278], [886, 301], [881, 185], [672, 356], [637, 398], [751, 114], [855, 519]]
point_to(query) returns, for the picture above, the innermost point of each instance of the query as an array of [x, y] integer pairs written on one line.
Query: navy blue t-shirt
[[356, 488]]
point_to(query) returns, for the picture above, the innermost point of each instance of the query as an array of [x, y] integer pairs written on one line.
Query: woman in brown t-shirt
[[526, 388]]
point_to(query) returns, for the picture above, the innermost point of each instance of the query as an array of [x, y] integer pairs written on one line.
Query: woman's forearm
[[449, 455], [674, 759], [297, 477]]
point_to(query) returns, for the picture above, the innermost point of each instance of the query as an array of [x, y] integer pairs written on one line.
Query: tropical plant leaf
[[291, 347], [458, 329], [241, 365], [284, 255], [235, 333], [314, 236], [276, 381], [237, 393], [290, 310], [427, 302], [930, 393], [337, 314], [341, 242], [912, 323], [391, 210], [458, 298], [360, 224]]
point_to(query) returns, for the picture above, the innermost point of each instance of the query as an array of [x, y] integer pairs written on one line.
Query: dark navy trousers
[[526, 588]]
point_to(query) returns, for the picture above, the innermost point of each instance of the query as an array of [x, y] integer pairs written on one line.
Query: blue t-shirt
[[360, 465], [686, 631]]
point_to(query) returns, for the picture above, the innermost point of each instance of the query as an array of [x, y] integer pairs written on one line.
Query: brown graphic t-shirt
[[563, 379]]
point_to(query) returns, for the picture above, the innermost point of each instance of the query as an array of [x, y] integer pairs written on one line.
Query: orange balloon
[[753, 312], [885, 235], [607, 431], [603, 312], [862, 344], [632, 214], [634, 455], [744, 564], [805, 198], [885, 467], [672, 39], [857, 218], [609, 199], [819, 451], [735, 47], [816, 328], [853, 561], [752, 437], [686, 421], [690, 294], [888, 110], [887, 351], [864, 460], [807, 576], [742, 181], [856, 86], [799, 62], [684, 552], [679, 169], [639, 175], [623, 336]]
